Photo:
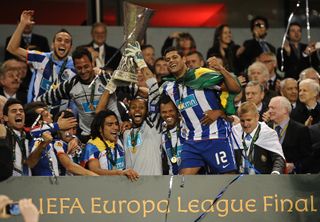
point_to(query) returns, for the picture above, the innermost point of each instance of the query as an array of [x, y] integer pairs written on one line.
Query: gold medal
[[134, 149], [173, 159], [54, 86], [91, 107]]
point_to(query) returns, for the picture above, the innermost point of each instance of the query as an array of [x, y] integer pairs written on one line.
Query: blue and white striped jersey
[[46, 72], [80, 94], [192, 104]]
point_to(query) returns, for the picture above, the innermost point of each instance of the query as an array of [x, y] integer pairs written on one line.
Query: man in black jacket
[[295, 54], [102, 52], [252, 48], [294, 136], [307, 110], [10, 81], [259, 150]]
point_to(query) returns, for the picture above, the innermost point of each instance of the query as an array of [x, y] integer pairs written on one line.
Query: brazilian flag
[[204, 78]]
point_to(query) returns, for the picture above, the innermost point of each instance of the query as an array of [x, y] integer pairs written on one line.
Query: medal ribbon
[[248, 158], [134, 137], [113, 160]]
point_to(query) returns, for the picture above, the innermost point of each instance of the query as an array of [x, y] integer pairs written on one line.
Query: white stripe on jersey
[[205, 106], [39, 67], [192, 117]]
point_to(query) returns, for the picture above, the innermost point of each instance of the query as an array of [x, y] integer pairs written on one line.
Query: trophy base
[[125, 76]]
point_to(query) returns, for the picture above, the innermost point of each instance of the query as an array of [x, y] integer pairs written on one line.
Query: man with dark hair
[[183, 41], [194, 60], [252, 48], [200, 108], [295, 54], [77, 89], [254, 92], [22, 159], [103, 154], [101, 51], [148, 55], [160, 69], [51, 68], [172, 140]]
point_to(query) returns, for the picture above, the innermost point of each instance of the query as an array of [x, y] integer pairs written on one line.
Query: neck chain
[[134, 138], [173, 149], [254, 139], [109, 155], [180, 95], [90, 103], [55, 82]]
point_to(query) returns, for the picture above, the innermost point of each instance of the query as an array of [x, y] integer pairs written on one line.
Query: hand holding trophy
[[133, 50], [136, 19]]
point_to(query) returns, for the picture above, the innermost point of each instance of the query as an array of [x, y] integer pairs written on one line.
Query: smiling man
[[103, 154], [50, 69], [172, 140], [142, 142], [23, 160], [207, 139], [258, 150], [77, 89]]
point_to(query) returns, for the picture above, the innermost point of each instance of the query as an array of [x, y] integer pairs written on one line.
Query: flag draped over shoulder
[[204, 78]]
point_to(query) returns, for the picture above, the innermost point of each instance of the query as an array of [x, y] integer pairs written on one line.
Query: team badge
[[263, 158]]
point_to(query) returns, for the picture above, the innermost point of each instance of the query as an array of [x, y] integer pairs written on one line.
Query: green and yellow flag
[[204, 78]]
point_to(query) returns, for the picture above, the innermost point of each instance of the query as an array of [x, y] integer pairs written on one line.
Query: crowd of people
[[63, 113]]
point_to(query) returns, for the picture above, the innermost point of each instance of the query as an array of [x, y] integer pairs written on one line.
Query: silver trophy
[[136, 19]]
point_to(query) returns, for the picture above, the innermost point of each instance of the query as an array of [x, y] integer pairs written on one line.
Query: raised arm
[[14, 43], [153, 95], [35, 155], [230, 80]]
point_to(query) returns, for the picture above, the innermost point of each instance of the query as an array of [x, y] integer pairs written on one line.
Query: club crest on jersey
[[101, 88], [45, 84], [187, 102], [65, 75]]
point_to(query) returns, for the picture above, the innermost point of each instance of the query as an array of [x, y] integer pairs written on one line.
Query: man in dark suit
[[252, 48], [100, 50], [254, 92], [294, 52], [289, 89], [10, 81], [30, 41], [270, 60], [259, 150], [294, 137], [258, 71], [308, 109]]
